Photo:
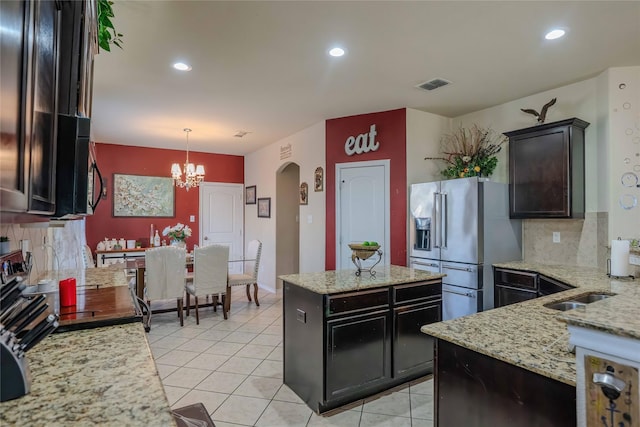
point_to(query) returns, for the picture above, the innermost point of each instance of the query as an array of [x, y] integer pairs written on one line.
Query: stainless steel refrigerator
[[460, 227]]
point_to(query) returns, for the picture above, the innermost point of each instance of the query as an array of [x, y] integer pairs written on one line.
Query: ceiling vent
[[433, 84]]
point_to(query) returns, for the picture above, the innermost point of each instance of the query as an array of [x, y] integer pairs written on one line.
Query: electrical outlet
[[556, 237], [634, 259]]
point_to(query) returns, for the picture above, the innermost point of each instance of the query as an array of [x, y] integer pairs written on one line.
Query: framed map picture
[[143, 196]]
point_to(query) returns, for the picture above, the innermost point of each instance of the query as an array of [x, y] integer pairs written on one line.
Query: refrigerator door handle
[[436, 225], [426, 264], [451, 267], [443, 220], [464, 294]]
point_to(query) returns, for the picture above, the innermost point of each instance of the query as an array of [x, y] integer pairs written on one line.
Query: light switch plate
[[556, 237], [192, 218], [634, 259]]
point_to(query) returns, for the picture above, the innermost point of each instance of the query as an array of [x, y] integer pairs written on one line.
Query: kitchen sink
[[589, 298], [565, 305], [577, 301]]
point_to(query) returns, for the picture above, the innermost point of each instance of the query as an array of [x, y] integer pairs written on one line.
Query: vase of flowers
[[470, 152], [177, 234]]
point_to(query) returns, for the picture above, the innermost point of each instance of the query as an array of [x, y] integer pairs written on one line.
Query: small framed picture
[[250, 195], [318, 179], [304, 193], [264, 207]]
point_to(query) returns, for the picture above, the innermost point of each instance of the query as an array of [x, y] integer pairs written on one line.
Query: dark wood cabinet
[[548, 286], [44, 123], [346, 346], [350, 340], [14, 158], [475, 390], [546, 170], [511, 286]]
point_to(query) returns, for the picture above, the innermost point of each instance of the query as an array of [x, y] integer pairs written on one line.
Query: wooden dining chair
[[249, 275], [210, 266], [165, 277]]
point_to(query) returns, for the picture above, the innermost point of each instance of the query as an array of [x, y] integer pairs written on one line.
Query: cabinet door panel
[[13, 82], [413, 350], [505, 295], [358, 353], [44, 97]]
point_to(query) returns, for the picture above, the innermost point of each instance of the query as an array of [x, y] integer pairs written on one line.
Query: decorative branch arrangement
[[470, 152]]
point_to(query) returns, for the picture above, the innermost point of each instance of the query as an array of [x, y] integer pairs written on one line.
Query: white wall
[[424, 131], [260, 169]]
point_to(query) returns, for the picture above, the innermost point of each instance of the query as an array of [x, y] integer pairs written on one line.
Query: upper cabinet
[[37, 51], [546, 170]]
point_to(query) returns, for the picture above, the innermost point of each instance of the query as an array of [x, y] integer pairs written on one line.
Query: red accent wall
[[392, 131], [112, 158]]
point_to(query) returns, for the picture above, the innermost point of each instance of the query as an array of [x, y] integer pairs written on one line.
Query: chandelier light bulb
[[193, 175]]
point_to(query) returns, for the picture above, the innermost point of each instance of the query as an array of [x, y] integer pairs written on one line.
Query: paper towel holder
[[630, 276]]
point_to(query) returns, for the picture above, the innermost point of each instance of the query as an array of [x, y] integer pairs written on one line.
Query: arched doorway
[[287, 220]]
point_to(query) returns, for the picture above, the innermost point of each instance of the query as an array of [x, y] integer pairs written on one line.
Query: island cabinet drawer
[[417, 292], [354, 302], [516, 278]]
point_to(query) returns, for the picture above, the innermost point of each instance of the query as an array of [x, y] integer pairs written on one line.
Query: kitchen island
[[519, 368], [347, 337]]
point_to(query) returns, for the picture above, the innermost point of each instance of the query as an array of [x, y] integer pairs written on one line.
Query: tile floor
[[234, 368]]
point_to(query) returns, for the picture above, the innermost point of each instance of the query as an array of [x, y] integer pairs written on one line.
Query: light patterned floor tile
[[276, 354], [423, 385], [240, 337], [263, 339], [255, 351], [196, 345], [186, 377], [213, 335], [395, 404], [379, 420], [207, 361], [170, 342], [225, 348], [273, 330], [165, 370], [240, 410], [422, 406], [262, 387], [177, 357], [227, 325], [158, 352], [255, 328], [269, 368], [339, 419], [284, 414], [222, 382], [187, 332], [174, 393], [239, 365], [211, 400], [285, 394]]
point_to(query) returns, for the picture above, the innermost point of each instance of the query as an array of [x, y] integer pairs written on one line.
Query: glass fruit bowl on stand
[[362, 252]]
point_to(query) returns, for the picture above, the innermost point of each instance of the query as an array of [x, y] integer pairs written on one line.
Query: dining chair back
[[210, 266], [165, 268], [250, 272]]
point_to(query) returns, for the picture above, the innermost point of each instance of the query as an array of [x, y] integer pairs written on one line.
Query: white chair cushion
[[240, 279]]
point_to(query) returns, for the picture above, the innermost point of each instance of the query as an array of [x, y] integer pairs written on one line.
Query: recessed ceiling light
[[336, 51], [554, 34], [182, 66]]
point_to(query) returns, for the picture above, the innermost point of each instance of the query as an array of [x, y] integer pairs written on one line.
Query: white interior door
[[221, 219], [362, 209]]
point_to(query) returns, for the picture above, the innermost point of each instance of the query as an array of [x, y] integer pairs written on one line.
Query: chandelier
[[193, 175]]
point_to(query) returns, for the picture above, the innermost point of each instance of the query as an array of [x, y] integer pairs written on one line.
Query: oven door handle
[[464, 294]]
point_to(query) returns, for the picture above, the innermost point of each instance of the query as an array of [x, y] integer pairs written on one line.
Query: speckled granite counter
[[103, 376], [534, 337], [90, 277], [335, 281]]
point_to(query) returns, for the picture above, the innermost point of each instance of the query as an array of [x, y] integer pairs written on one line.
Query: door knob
[[206, 238]]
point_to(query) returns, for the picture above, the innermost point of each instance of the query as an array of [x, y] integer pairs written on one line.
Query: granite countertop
[[82, 378], [535, 337], [91, 277], [336, 281]]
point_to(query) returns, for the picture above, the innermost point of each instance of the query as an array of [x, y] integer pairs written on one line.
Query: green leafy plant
[[470, 152], [107, 33]]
